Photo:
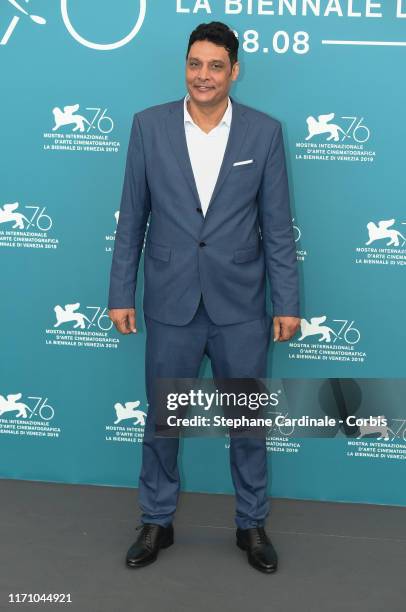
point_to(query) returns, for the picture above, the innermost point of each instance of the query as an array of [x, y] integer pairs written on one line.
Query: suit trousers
[[237, 350]]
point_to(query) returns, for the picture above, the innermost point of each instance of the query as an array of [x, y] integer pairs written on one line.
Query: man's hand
[[284, 328], [123, 319]]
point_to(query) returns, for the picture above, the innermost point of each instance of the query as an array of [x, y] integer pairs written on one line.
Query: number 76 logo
[[25, 14]]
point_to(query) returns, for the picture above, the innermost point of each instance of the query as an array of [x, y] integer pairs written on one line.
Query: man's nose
[[203, 73]]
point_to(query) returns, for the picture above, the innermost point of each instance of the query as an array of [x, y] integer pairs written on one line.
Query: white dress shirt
[[206, 152]]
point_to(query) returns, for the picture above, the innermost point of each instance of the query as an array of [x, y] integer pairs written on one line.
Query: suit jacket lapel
[[177, 137], [238, 131]]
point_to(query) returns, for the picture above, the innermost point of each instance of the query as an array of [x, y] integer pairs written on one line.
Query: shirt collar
[[226, 117]]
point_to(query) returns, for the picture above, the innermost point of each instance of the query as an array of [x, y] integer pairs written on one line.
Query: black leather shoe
[[260, 552], [146, 547]]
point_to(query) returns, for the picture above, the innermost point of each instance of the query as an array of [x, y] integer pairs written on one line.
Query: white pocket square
[[241, 163]]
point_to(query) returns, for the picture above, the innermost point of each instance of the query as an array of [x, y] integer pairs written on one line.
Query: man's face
[[208, 73]]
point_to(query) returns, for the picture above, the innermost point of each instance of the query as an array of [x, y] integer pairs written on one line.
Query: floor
[[58, 538]]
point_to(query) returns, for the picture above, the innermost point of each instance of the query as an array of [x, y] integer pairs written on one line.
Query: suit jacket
[[247, 231]]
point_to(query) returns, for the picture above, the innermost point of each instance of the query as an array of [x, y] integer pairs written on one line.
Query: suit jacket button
[[199, 210], [202, 244]]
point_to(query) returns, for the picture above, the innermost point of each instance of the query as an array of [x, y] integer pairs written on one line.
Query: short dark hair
[[218, 33]]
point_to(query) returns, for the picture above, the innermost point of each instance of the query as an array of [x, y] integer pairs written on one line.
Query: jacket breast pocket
[[159, 251], [246, 254]]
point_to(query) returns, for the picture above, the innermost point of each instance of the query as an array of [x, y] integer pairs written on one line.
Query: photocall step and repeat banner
[[72, 392]]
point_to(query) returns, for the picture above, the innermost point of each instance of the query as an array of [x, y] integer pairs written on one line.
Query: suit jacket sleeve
[[134, 211], [277, 231]]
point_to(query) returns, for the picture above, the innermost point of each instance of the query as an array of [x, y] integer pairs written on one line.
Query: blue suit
[[205, 277]]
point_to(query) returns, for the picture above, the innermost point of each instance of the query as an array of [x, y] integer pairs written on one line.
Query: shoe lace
[[146, 533], [260, 535]]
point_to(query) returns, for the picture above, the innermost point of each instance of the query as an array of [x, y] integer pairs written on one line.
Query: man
[[211, 174]]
